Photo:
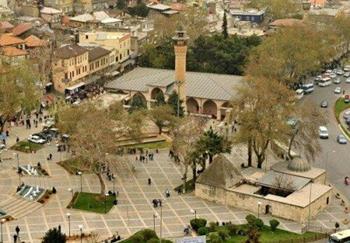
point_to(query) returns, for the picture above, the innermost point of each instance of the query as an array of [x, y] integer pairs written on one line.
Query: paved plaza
[[134, 210]]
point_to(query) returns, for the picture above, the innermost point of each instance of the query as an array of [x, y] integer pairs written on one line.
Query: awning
[[78, 85]]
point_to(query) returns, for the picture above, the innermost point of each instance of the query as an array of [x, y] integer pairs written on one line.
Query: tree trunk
[[194, 172], [260, 161], [210, 158], [160, 129], [184, 189], [250, 153], [102, 184]]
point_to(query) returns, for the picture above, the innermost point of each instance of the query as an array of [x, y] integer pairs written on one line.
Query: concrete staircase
[[17, 207]]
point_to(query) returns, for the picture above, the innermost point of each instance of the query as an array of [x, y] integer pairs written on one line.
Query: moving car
[[337, 90], [36, 139], [323, 132], [324, 104], [341, 139]]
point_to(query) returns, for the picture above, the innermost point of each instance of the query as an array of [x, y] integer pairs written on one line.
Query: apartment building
[[66, 6], [117, 42], [70, 65]]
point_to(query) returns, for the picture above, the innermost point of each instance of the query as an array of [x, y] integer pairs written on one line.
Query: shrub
[[223, 233], [212, 227], [232, 229], [214, 237], [154, 240], [251, 219], [259, 223], [148, 234], [203, 231], [274, 224], [198, 223]]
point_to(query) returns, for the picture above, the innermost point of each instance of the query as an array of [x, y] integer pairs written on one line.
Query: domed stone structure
[[298, 164]]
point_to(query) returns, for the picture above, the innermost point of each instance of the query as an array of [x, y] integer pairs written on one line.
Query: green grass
[[93, 202], [152, 145], [340, 106], [26, 146], [71, 165], [278, 236]]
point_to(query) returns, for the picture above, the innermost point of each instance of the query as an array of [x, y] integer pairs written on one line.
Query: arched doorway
[[192, 106], [138, 101], [225, 106], [158, 96], [210, 108]]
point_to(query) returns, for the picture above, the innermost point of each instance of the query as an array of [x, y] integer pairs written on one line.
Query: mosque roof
[[198, 85]]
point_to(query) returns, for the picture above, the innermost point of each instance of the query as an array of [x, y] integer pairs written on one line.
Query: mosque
[[204, 94]]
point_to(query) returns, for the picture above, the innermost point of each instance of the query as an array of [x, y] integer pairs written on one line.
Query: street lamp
[[2, 222], [259, 204], [68, 216], [161, 220], [106, 195], [155, 215], [81, 180], [17, 157], [193, 211], [71, 191], [81, 232]]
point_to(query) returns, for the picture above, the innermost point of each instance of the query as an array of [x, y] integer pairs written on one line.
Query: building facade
[[66, 6]]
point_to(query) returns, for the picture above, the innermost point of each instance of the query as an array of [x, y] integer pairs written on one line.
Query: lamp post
[[259, 204], [161, 221], [193, 211], [2, 222], [81, 180], [68, 216], [81, 232], [17, 158], [106, 195], [155, 215], [71, 191]]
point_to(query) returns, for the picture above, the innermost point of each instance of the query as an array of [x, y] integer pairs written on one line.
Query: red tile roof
[[21, 28], [11, 51], [4, 25], [33, 41], [9, 40]]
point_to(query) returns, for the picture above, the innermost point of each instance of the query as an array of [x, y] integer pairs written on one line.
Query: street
[[334, 157]]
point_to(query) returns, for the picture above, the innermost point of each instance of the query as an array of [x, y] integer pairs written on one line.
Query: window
[[86, 37], [65, 75], [327, 200]]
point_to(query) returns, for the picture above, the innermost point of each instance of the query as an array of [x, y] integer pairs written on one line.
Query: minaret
[[180, 48]]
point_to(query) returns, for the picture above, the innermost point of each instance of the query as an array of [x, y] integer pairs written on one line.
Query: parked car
[[347, 99], [49, 122], [324, 104], [340, 72], [347, 121], [323, 132], [346, 74], [347, 80], [337, 81], [332, 75], [347, 68], [337, 90], [341, 139], [346, 114], [36, 139]]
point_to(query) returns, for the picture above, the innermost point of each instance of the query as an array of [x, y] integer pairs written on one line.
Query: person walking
[[149, 181]]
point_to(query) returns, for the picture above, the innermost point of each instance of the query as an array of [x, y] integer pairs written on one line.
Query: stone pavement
[[134, 210]]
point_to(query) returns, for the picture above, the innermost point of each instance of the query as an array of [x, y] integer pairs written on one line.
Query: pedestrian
[[7, 133], [17, 139], [159, 202], [149, 181]]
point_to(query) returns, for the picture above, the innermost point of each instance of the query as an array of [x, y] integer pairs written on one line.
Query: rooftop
[[246, 12], [313, 173], [47, 10], [21, 28], [11, 51], [158, 6], [4, 25], [33, 41], [69, 51], [8, 40], [97, 53], [82, 18], [199, 85]]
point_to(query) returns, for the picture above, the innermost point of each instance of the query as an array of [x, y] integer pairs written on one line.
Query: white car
[[323, 132], [36, 139], [337, 90], [346, 74], [347, 80], [336, 81], [333, 75], [339, 72], [49, 122]]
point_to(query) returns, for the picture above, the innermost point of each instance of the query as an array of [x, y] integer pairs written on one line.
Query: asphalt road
[[334, 157]]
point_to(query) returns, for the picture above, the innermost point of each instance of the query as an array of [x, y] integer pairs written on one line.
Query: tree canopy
[[54, 236]]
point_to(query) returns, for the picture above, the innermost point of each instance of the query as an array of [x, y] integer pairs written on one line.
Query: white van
[[299, 93], [323, 132], [340, 237], [326, 81], [308, 88]]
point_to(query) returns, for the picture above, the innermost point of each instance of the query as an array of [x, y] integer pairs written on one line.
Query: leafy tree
[[176, 104], [54, 236], [160, 100], [224, 26], [140, 10], [121, 4], [185, 136], [163, 116], [137, 102], [96, 134], [214, 237], [253, 235], [18, 93], [213, 143], [264, 107]]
